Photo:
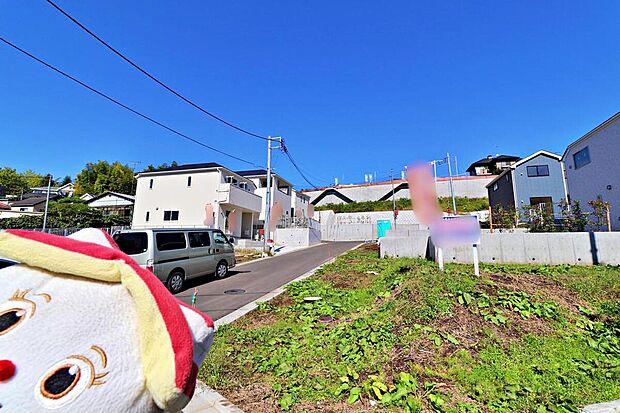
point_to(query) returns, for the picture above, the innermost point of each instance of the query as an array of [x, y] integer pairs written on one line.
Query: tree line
[[95, 178]]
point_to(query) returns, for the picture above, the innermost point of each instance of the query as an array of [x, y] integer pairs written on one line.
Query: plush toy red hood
[[81, 275]]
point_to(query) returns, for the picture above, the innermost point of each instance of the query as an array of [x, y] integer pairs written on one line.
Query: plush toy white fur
[[88, 331]]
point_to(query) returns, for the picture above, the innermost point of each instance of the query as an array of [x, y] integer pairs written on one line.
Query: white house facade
[[281, 193], [113, 203], [591, 167], [197, 195]]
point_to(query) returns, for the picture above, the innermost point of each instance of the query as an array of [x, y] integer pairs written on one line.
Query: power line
[[288, 154], [111, 99], [150, 76]]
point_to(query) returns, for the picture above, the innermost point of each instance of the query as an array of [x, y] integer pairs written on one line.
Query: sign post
[[453, 231]]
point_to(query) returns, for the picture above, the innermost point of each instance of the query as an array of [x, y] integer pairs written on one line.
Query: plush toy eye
[[10, 319], [60, 382], [64, 381]]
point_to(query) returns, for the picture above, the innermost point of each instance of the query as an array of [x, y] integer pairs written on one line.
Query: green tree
[[152, 168], [504, 217], [34, 179], [598, 217], [66, 180], [573, 217], [539, 218], [99, 177], [12, 183]]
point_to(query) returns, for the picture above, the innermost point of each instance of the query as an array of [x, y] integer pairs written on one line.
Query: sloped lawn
[[397, 335]]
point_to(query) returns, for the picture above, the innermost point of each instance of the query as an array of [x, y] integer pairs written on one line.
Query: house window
[[151, 184], [148, 215], [495, 186], [189, 181], [23, 209], [171, 215], [231, 180], [581, 158], [538, 170]]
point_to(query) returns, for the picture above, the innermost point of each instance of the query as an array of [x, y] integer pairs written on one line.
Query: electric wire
[[134, 111], [153, 78]]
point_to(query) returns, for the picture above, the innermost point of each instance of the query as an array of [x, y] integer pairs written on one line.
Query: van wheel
[[175, 282], [221, 270]]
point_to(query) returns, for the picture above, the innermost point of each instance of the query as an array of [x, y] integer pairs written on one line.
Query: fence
[[584, 248], [68, 231]]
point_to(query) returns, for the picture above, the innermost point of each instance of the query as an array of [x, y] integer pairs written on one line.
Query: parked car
[[176, 255]]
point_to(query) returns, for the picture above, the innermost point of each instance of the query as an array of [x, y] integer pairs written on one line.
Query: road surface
[[258, 278]]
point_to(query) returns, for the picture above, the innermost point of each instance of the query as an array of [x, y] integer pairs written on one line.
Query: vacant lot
[[397, 335]]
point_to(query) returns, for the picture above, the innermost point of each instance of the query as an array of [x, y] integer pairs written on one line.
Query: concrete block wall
[[297, 237], [581, 248]]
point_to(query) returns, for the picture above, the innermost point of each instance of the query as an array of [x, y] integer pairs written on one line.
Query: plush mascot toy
[[84, 329]]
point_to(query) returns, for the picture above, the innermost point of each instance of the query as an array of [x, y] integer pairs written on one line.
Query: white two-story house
[[197, 195], [282, 191]]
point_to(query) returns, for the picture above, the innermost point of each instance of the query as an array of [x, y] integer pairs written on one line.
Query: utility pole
[[393, 197], [47, 201], [267, 229], [451, 187], [434, 162]]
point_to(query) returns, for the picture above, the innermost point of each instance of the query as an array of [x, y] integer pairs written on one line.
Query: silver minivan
[[176, 255]]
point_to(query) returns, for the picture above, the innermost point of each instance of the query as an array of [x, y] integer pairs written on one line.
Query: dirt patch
[[349, 279], [334, 407], [257, 398], [282, 300], [258, 318], [369, 247], [538, 285]]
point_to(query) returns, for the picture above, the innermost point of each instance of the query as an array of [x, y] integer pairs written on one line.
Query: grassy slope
[[462, 205], [397, 335]]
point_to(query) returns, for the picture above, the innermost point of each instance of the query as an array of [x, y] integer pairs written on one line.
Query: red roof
[[5, 206]]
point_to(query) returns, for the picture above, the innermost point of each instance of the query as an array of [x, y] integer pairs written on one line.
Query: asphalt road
[[258, 278]]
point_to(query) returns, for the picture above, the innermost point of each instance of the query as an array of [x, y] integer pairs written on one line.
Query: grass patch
[[397, 335]]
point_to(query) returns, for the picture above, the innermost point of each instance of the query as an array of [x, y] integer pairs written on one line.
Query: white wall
[[466, 187], [171, 193], [592, 180]]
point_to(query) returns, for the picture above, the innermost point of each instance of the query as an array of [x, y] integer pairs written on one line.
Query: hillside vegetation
[[462, 205]]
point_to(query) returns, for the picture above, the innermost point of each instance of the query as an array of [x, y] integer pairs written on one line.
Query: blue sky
[[353, 86]]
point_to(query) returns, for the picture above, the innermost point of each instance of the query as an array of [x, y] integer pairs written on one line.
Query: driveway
[[257, 278]]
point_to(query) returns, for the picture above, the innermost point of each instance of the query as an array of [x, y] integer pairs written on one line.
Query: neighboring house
[[113, 203], [197, 195], [281, 193], [87, 197], [491, 165], [301, 206], [534, 180], [464, 187], [592, 168], [64, 190], [34, 204]]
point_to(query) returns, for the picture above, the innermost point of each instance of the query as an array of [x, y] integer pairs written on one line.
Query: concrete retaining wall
[[297, 237], [519, 248]]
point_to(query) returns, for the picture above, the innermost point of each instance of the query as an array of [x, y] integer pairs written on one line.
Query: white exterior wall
[[276, 196], [591, 180], [171, 193], [301, 202], [464, 187]]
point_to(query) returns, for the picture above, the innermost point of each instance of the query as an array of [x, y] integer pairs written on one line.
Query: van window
[[199, 239], [132, 243], [219, 238], [167, 241]]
